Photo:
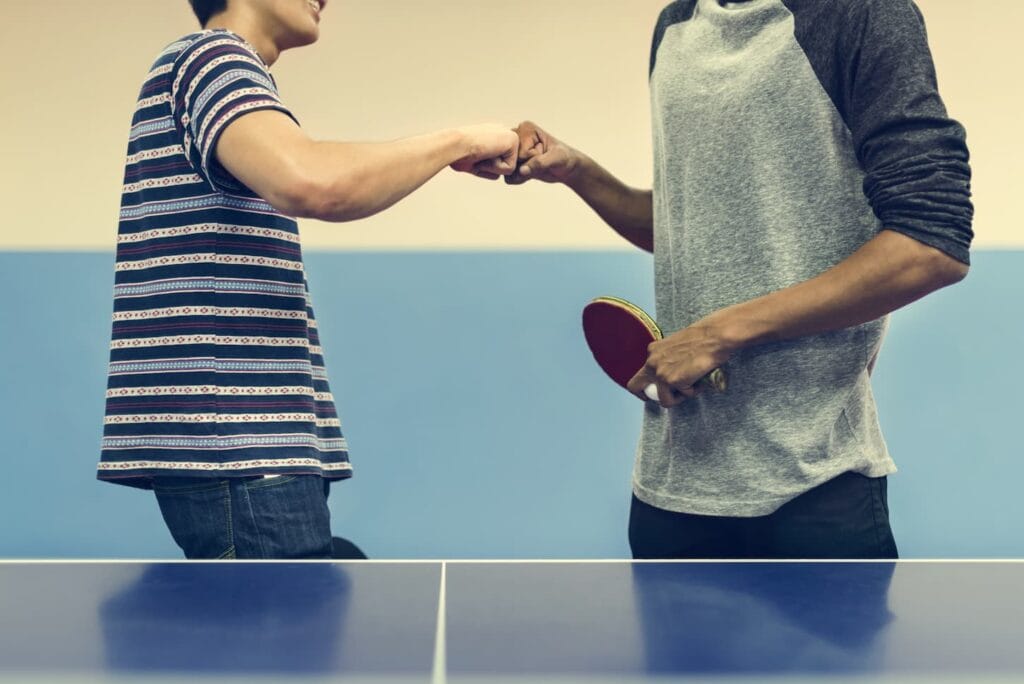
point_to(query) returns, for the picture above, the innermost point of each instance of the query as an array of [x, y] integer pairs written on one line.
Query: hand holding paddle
[[619, 334]]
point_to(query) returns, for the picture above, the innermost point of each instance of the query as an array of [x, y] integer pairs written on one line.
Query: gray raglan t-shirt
[[787, 133]]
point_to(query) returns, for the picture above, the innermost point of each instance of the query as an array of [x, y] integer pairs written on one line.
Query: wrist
[[456, 143], [731, 329], [577, 168]]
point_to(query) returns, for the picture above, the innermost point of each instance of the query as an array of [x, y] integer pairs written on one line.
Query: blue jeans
[[243, 517]]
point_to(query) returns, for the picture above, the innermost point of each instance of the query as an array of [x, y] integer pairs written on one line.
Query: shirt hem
[[743, 509], [143, 478]]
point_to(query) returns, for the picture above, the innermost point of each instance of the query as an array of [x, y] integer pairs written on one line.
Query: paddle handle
[[715, 379]]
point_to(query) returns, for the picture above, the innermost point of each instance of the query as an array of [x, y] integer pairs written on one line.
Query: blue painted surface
[[523, 622], [208, 619], [479, 425], [733, 619]]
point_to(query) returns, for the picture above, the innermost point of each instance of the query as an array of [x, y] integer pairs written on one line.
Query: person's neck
[[240, 20]]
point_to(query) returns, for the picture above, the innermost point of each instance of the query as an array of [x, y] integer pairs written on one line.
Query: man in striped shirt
[[218, 397]]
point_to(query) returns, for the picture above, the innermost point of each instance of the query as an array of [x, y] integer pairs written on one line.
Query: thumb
[[639, 382], [534, 165], [530, 166]]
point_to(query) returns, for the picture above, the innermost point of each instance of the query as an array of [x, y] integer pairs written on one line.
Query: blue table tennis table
[[486, 622]]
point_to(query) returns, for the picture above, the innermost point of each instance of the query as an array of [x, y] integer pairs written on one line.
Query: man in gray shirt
[[807, 182]]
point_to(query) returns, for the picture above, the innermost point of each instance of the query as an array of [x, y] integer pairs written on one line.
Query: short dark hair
[[204, 9]]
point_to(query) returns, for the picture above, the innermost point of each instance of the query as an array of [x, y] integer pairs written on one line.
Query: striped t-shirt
[[215, 362]]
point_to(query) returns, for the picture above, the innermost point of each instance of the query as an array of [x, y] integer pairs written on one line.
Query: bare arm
[[887, 273], [890, 271], [339, 181], [627, 210]]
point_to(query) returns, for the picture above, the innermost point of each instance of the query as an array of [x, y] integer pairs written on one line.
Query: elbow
[[951, 271], [334, 200], [943, 269], [933, 267], [305, 196], [299, 196]]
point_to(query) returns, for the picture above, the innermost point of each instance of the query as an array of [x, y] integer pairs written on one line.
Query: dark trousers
[[846, 517]]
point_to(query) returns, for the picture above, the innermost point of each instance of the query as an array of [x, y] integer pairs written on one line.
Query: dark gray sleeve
[[676, 12], [872, 56]]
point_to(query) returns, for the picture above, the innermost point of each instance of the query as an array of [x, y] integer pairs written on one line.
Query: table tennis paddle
[[618, 334]]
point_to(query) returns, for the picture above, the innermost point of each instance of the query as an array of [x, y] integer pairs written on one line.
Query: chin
[[303, 38]]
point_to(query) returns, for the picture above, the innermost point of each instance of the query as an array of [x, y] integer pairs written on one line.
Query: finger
[[638, 384], [699, 388], [530, 137], [668, 396], [486, 176], [504, 164], [686, 392], [508, 162], [494, 167], [525, 171], [508, 159], [530, 152], [535, 167]]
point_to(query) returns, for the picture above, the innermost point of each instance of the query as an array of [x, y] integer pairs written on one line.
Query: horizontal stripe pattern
[[192, 390], [215, 364], [175, 442], [223, 285], [158, 153], [211, 258], [270, 465], [136, 418], [185, 340], [207, 229], [144, 210], [174, 311], [165, 182]]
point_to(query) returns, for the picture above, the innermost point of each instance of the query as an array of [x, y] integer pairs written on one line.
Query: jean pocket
[[264, 482], [290, 517], [199, 518]]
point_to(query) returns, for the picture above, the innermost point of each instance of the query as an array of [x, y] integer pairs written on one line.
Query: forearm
[[267, 152], [627, 210], [356, 180], [887, 273]]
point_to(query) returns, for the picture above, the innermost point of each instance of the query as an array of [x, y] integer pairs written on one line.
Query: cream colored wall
[[390, 68]]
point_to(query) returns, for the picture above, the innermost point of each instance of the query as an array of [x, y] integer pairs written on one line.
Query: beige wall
[[390, 68]]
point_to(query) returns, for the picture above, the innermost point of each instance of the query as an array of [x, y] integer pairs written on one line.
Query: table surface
[[502, 622]]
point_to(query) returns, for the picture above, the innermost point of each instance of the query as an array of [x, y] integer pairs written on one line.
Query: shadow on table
[[763, 617], [228, 618]]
